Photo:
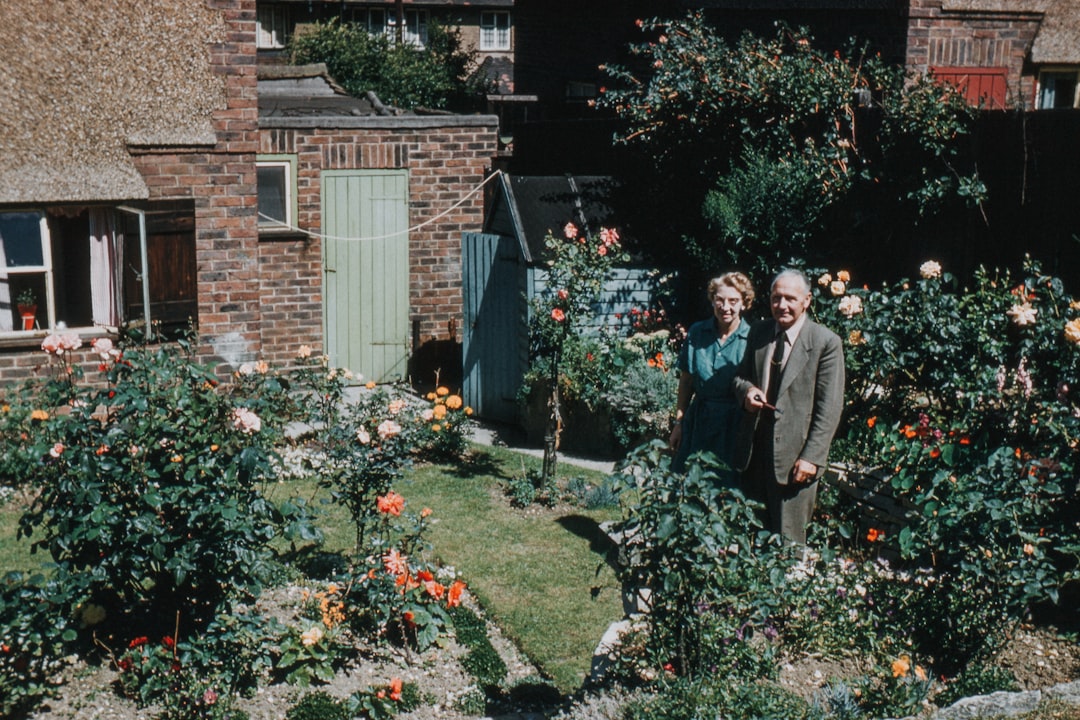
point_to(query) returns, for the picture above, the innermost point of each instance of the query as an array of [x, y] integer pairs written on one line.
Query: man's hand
[[755, 399], [803, 472]]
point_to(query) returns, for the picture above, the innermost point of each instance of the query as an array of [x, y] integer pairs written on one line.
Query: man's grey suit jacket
[[811, 397]]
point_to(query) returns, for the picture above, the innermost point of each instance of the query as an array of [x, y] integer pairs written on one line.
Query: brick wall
[[445, 162], [221, 181], [937, 37]]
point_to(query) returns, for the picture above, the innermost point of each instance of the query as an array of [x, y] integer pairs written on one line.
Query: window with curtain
[[71, 268], [271, 26], [414, 30], [1057, 89], [494, 31]]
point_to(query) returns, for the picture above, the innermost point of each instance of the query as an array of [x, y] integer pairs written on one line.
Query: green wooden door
[[366, 271]]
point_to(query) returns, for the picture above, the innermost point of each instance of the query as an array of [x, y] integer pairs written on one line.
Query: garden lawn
[[540, 573]]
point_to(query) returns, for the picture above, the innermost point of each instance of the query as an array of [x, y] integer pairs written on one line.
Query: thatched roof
[[1058, 41], [85, 79]]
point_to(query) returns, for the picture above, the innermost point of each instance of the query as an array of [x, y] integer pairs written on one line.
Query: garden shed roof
[[532, 206], [309, 91], [86, 81]]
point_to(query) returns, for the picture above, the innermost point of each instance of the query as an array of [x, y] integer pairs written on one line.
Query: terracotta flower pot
[[28, 313]]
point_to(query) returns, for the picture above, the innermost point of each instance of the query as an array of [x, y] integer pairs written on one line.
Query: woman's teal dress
[[711, 420]]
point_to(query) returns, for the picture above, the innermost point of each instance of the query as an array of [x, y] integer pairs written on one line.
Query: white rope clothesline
[[430, 220]]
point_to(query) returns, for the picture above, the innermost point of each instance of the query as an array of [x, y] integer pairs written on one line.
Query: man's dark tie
[[776, 370]]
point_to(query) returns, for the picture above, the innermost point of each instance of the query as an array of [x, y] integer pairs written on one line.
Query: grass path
[[539, 573]]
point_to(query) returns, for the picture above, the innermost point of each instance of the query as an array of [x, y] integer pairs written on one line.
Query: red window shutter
[[987, 86]]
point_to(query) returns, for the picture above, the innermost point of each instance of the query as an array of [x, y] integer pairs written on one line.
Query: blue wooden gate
[[495, 337]]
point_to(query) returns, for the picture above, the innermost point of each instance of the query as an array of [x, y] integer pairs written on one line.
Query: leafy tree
[[436, 76], [779, 144]]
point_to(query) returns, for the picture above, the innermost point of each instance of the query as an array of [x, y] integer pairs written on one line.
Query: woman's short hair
[[736, 280]]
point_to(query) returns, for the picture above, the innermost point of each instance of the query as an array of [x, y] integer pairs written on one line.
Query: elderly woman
[[707, 413]]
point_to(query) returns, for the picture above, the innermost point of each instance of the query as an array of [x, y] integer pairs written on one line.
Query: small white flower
[[824, 280], [837, 288], [245, 369], [363, 436]]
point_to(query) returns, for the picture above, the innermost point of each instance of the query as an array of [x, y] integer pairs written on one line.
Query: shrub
[[716, 580], [37, 630], [966, 396], [150, 485], [436, 76]]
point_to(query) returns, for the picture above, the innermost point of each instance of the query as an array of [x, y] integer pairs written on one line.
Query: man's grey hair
[[792, 274]]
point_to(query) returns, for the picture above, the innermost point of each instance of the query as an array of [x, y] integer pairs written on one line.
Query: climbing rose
[[363, 436], [558, 315], [1072, 331], [570, 231], [930, 269], [850, 305], [1022, 314], [609, 236], [304, 351], [57, 450], [837, 288]]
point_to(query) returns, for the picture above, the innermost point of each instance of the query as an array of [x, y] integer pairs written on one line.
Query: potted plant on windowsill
[[26, 302]]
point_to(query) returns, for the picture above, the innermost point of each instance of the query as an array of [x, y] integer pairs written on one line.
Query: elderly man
[[791, 384]]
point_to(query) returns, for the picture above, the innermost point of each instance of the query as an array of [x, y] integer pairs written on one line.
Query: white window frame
[[287, 165], [494, 31], [47, 270], [1057, 71], [272, 26], [415, 30]]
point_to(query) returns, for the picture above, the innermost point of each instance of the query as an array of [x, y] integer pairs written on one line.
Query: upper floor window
[[1057, 89], [272, 26], [494, 31], [277, 192], [414, 29], [85, 267], [373, 19]]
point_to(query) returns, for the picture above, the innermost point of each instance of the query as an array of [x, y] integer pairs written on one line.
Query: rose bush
[[964, 394], [152, 480]]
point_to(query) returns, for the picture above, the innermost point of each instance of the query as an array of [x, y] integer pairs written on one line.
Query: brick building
[[131, 187]]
